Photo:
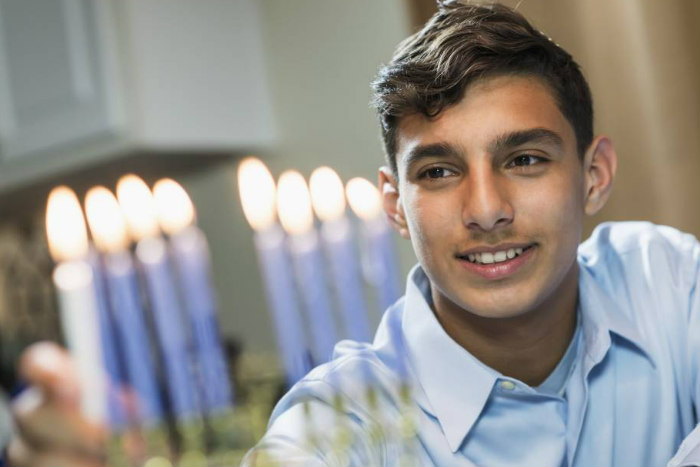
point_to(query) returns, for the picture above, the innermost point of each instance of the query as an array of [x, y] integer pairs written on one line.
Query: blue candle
[[328, 201], [190, 251], [380, 260], [191, 254], [294, 210], [282, 300], [110, 355], [167, 316], [345, 269], [310, 273], [131, 327]]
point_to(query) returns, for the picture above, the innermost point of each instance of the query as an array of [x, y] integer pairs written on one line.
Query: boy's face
[[494, 176]]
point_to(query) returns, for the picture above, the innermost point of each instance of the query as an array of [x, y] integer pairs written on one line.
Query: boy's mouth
[[494, 256], [499, 262]]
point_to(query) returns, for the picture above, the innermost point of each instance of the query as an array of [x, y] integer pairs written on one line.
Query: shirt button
[[507, 385]]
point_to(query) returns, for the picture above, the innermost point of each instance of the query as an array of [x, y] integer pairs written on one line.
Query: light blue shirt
[[631, 393]]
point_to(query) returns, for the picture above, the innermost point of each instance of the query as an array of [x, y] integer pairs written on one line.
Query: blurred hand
[[51, 430]]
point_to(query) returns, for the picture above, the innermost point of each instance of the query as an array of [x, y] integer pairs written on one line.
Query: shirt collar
[[455, 384]]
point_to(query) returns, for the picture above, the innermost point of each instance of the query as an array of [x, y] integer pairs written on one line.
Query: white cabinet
[[83, 81], [53, 88]]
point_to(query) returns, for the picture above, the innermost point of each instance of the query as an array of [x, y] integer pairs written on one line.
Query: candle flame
[[294, 203], [173, 206], [327, 195], [65, 225], [136, 201], [364, 198], [106, 220], [257, 189]]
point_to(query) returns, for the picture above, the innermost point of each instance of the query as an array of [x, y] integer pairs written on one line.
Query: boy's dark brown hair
[[462, 43]]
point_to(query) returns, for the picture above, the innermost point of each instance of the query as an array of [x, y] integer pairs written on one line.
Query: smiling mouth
[[494, 257]]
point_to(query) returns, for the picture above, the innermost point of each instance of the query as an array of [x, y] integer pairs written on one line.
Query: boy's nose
[[486, 206]]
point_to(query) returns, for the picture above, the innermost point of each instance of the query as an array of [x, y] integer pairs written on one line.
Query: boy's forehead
[[489, 108]]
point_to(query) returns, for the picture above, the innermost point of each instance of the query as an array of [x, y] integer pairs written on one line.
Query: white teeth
[[487, 258], [497, 257]]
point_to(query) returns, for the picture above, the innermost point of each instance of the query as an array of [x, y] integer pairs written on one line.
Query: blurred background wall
[[318, 56]]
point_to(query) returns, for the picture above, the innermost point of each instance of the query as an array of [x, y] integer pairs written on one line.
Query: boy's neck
[[526, 347]]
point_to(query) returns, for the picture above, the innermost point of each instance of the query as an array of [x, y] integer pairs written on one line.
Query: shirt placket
[[578, 389]]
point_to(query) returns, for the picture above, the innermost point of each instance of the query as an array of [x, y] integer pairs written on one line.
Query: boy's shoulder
[[641, 250], [355, 366], [649, 272], [636, 236]]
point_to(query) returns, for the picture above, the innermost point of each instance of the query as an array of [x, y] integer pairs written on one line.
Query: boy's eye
[[436, 172], [525, 160]]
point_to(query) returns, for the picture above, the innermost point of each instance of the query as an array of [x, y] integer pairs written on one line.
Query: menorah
[[140, 317]]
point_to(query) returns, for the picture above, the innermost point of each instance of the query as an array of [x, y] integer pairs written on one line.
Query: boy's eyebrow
[[502, 142], [429, 150], [517, 138]]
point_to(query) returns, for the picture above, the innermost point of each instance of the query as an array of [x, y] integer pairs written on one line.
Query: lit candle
[[257, 191], [116, 413], [328, 200], [136, 201], [73, 278], [108, 230], [176, 217], [380, 255], [294, 210]]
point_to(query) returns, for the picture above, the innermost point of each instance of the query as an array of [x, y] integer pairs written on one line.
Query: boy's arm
[[311, 432], [285, 444]]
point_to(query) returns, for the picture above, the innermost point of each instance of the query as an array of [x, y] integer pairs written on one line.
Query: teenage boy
[[513, 344], [521, 347]]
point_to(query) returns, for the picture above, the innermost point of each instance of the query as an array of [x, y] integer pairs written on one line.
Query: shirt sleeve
[[310, 432], [694, 332], [289, 440], [689, 452]]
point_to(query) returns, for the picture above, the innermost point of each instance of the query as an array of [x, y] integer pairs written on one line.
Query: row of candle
[[142, 241], [298, 249]]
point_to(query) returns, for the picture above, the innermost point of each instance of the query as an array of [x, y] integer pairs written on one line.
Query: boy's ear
[[599, 166], [391, 199]]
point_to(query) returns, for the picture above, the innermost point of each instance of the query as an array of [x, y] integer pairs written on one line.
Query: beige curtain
[[642, 61]]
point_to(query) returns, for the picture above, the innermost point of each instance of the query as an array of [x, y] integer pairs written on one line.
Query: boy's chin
[[491, 306]]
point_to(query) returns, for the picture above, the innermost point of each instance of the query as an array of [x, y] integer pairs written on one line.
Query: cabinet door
[[53, 75]]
